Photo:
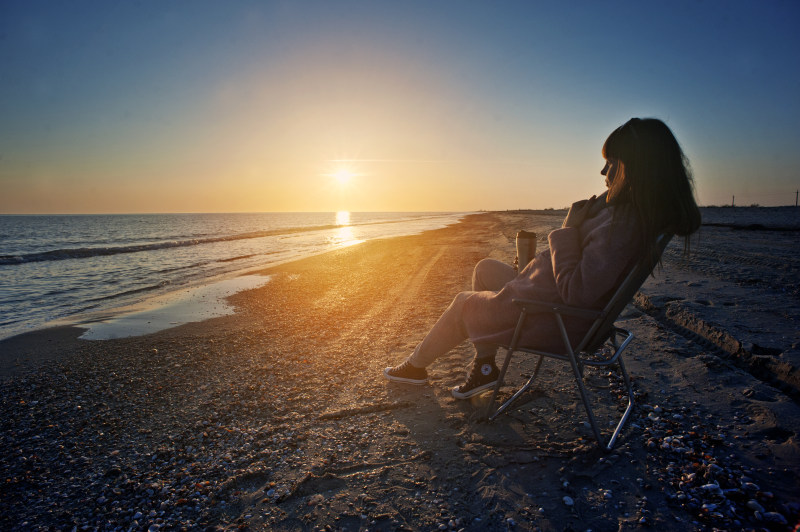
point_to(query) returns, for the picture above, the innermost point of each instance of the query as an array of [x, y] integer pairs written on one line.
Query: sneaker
[[406, 373], [483, 376]]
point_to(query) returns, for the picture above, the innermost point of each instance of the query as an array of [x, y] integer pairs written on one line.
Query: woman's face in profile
[[610, 170]]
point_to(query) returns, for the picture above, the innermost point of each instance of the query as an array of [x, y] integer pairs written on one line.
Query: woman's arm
[[583, 209], [588, 264]]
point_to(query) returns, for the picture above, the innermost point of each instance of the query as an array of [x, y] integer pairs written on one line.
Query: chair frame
[[602, 333]]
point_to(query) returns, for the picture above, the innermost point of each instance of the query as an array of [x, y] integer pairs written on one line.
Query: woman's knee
[[491, 274], [453, 312], [460, 298], [481, 272]]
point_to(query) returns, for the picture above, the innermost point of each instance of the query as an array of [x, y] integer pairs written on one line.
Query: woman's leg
[[490, 274], [449, 330], [447, 333], [493, 275]]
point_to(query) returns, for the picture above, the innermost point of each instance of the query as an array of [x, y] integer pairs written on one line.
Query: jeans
[[449, 330]]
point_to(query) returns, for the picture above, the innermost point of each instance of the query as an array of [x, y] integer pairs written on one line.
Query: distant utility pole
[[796, 194], [733, 201]]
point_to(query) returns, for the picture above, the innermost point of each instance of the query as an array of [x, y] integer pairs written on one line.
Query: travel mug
[[526, 248]]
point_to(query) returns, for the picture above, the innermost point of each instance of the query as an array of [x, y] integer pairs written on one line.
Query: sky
[[240, 106]]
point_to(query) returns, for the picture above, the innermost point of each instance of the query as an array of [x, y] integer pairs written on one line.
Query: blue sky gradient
[[248, 106]]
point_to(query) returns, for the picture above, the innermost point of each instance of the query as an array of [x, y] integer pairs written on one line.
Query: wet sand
[[278, 418]]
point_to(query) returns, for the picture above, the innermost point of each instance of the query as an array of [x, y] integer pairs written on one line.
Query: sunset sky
[[112, 107]]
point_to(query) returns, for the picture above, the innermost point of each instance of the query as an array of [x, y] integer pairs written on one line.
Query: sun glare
[[343, 236], [342, 176], [343, 218]]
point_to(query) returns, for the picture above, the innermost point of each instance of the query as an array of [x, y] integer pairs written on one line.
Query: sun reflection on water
[[343, 236]]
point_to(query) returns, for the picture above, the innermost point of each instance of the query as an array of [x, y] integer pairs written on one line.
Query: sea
[[57, 268]]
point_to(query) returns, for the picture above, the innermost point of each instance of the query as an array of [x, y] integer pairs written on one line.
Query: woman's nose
[[604, 171]]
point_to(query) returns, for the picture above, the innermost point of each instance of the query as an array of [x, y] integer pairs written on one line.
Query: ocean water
[[66, 266]]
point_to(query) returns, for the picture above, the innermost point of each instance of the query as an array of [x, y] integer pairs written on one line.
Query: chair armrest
[[531, 305]]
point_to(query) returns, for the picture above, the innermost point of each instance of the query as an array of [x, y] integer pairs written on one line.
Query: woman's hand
[[579, 212]]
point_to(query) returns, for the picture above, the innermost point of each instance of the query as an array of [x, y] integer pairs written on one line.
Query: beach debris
[[691, 455]]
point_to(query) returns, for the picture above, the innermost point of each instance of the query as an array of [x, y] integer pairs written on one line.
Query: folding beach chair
[[603, 333]]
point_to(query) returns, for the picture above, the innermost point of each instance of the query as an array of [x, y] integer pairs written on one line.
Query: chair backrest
[[600, 330]]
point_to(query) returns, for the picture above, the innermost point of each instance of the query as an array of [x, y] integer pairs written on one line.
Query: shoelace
[[406, 367], [474, 375]]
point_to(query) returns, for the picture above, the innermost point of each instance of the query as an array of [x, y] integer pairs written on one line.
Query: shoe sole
[[404, 380], [474, 391]]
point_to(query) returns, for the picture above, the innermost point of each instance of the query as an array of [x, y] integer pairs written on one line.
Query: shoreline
[[29, 343], [25, 350], [277, 417], [162, 270], [745, 218]]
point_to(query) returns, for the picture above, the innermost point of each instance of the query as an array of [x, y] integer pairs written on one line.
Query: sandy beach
[[278, 418]]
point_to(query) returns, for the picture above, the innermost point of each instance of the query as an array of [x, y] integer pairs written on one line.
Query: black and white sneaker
[[407, 374], [482, 376]]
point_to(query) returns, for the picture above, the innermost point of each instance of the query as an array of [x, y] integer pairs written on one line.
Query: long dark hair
[[653, 181]]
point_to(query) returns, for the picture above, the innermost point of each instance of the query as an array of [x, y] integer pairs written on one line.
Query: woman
[[649, 192]]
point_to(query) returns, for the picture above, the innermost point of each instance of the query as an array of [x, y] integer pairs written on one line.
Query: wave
[[83, 253], [88, 252], [116, 295]]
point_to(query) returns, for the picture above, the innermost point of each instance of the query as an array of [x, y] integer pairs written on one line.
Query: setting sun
[[343, 176]]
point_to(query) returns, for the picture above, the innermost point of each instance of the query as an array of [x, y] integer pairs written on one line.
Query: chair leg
[[585, 398], [510, 350], [498, 384], [516, 395], [628, 409], [578, 373]]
